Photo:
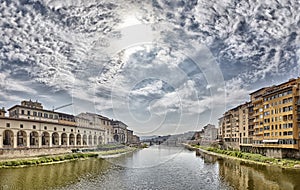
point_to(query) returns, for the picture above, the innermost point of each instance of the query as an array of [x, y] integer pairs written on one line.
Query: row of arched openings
[[8, 139]]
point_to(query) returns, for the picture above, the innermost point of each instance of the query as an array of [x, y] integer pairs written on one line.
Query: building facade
[[268, 124], [277, 119], [210, 132], [98, 121], [120, 132], [29, 125]]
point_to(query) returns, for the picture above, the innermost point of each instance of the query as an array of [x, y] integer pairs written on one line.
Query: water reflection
[[244, 175], [51, 176], [157, 167], [150, 157]]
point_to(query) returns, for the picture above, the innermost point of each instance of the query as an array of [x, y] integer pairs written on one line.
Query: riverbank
[[246, 157], [53, 159]]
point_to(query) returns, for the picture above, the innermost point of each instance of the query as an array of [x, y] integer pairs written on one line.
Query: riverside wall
[[33, 152]]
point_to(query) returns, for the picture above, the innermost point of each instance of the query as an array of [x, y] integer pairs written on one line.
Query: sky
[[161, 67]]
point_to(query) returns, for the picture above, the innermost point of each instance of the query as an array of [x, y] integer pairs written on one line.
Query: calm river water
[[157, 167]]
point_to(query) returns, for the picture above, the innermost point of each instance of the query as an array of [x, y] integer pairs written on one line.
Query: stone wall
[[32, 152]]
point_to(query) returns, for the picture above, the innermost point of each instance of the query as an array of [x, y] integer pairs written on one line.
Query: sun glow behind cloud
[[129, 20], [59, 51]]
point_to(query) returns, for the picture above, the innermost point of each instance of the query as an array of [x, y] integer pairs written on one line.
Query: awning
[[270, 141]]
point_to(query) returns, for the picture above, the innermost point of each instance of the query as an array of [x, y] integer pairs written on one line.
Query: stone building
[[129, 136], [120, 131], [135, 139], [29, 125], [98, 121], [210, 132]]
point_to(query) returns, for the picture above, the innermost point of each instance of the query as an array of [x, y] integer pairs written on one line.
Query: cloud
[[263, 35], [60, 48]]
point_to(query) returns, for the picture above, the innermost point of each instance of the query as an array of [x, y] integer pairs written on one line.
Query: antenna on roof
[[62, 106]]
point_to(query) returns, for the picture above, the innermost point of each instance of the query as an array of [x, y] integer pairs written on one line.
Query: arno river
[[157, 167]]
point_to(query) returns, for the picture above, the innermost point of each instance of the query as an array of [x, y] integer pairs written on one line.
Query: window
[[34, 127], [55, 116], [22, 112], [267, 128], [71, 130], [45, 127], [21, 126], [40, 114], [78, 131], [64, 129], [45, 115], [34, 113], [7, 124], [50, 116], [28, 112], [54, 128]]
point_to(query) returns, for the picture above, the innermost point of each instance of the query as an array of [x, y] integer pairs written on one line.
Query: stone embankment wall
[[32, 152]]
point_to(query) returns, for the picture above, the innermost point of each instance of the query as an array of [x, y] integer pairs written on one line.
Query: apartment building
[[245, 123], [268, 124], [277, 119], [234, 128]]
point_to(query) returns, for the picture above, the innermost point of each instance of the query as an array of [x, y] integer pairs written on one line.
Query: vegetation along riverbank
[[248, 157], [52, 159]]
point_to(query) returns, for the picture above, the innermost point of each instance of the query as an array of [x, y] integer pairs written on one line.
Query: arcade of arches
[[23, 138]]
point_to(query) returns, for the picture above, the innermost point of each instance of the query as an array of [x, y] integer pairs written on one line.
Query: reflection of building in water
[[251, 176]]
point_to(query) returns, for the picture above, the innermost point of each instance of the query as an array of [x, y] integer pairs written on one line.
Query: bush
[[69, 157], [15, 163], [56, 159]]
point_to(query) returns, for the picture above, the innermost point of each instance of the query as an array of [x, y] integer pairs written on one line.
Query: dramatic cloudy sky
[[160, 66]]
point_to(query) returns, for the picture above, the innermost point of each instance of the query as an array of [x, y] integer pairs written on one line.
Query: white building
[[97, 121], [31, 126], [210, 132]]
